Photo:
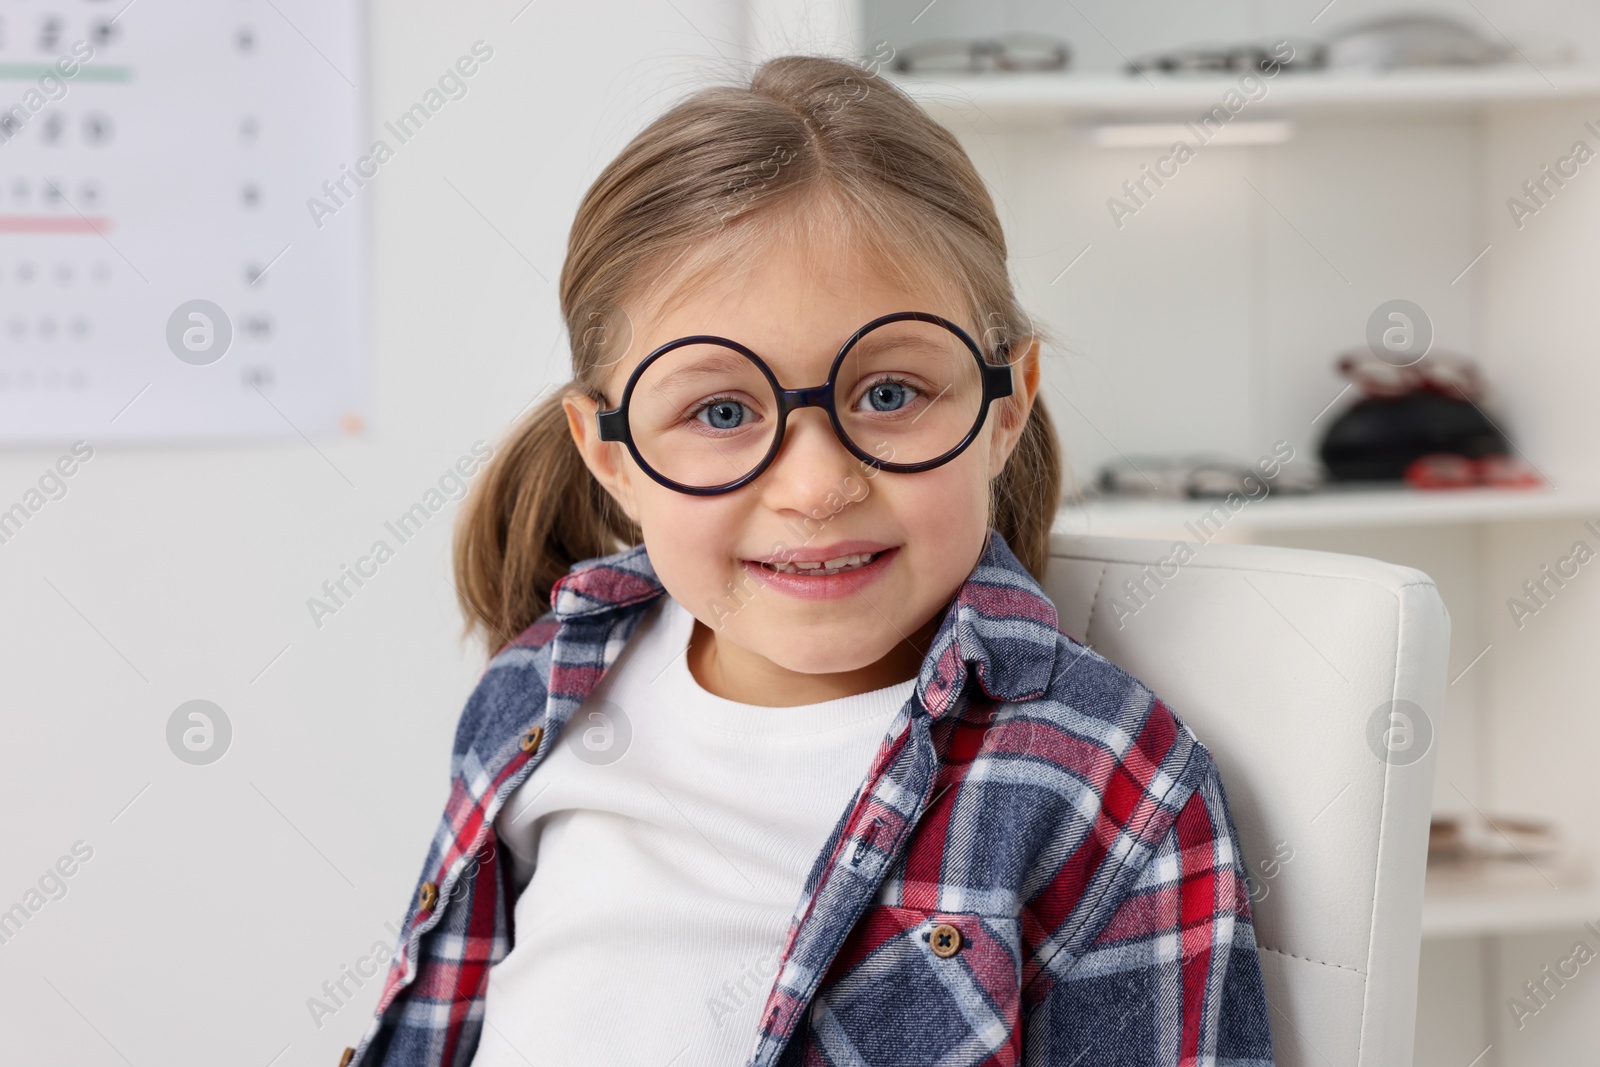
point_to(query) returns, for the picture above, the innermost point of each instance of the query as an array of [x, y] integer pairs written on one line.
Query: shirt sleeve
[[1174, 976]]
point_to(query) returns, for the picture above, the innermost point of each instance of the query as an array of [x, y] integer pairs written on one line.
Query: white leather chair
[[1286, 664]]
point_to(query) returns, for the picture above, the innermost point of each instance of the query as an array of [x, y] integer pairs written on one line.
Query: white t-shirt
[[668, 837]]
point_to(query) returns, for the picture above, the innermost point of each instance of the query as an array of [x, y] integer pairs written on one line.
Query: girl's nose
[[814, 473]]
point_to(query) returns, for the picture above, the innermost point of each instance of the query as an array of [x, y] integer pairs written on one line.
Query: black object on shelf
[[1407, 414]]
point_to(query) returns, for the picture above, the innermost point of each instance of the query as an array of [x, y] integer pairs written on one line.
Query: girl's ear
[[1014, 410], [606, 460]]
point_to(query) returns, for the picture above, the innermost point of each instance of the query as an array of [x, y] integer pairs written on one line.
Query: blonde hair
[[719, 172]]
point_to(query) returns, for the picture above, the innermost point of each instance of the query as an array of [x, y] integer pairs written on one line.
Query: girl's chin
[[798, 650]]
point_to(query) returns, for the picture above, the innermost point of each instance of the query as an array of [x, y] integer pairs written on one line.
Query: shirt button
[[530, 740], [427, 895], [945, 940]]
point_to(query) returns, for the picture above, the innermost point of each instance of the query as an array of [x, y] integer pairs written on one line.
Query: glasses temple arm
[[997, 376], [613, 425]]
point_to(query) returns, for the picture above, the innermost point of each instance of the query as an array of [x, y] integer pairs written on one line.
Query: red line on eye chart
[[53, 224]]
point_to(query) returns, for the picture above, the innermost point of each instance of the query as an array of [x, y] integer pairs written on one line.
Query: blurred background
[[241, 344]]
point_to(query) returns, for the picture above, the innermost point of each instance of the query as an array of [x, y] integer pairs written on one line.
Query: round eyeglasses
[[907, 392]]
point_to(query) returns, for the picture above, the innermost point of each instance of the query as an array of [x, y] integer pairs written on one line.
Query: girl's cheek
[[950, 499], [691, 538]]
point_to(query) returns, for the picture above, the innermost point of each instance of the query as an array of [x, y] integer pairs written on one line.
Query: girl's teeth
[[831, 566]]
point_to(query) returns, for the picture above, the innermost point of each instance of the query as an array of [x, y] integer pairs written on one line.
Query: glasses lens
[[702, 415], [908, 391]]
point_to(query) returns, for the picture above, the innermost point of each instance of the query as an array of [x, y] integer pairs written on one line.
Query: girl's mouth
[[838, 575], [841, 565]]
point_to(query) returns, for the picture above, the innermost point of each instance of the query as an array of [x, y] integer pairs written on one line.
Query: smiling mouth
[[821, 568]]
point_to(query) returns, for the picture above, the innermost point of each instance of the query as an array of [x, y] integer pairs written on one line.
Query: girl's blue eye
[[723, 414], [889, 396]]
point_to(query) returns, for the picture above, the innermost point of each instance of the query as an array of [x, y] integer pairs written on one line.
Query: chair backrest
[[1317, 682]]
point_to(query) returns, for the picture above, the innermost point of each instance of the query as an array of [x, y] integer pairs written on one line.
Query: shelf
[[1507, 898], [1332, 508], [1048, 95]]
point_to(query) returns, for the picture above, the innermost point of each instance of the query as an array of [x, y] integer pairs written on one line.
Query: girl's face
[[778, 637]]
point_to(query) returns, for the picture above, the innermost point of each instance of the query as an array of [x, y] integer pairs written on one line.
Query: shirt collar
[[1000, 627]]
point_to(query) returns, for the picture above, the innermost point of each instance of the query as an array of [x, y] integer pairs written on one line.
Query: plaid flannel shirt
[[1030, 795]]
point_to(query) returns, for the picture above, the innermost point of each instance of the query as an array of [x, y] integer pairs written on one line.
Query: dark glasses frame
[[996, 379]]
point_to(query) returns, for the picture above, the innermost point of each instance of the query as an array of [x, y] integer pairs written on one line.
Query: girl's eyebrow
[[870, 344], [885, 339], [705, 364]]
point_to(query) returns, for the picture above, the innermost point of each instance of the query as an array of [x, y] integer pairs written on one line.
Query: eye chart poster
[[160, 276]]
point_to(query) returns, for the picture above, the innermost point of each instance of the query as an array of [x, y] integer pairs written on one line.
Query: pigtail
[[534, 512]]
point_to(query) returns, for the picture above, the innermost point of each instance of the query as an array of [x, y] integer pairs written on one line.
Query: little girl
[[807, 774]]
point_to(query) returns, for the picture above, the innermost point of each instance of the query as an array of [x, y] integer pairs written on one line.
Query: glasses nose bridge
[[812, 396]]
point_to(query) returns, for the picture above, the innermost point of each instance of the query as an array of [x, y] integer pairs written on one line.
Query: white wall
[[220, 900]]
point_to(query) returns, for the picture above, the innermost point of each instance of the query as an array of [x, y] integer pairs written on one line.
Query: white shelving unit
[[1045, 95], [1207, 321], [1508, 897], [1367, 507]]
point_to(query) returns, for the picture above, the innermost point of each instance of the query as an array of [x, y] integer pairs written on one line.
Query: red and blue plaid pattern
[[1031, 795]]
